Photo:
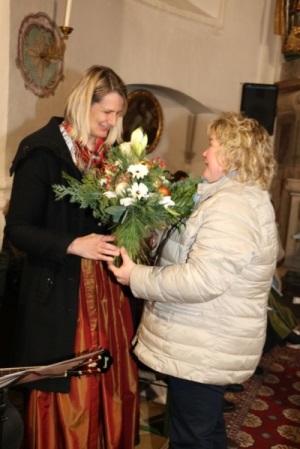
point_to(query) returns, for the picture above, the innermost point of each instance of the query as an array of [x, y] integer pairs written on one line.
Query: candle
[[68, 13]]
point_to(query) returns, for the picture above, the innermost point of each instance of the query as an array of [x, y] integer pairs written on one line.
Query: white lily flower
[[139, 190], [166, 201], [138, 141], [125, 147], [127, 201], [138, 170], [110, 194]]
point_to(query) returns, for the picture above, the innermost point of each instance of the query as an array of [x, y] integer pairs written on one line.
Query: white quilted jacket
[[206, 308]]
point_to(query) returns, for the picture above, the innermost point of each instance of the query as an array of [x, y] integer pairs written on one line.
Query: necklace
[[86, 159]]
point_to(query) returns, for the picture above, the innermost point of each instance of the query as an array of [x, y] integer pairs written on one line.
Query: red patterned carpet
[[267, 412]]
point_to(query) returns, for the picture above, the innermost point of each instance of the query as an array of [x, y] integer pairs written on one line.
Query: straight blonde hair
[[92, 86]]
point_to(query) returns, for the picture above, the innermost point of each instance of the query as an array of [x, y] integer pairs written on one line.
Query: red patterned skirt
[[101, 411]]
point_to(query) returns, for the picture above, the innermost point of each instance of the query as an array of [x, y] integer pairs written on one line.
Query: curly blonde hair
[[245, 146], [92, 86]]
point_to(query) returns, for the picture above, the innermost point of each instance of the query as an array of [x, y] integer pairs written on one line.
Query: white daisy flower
[[138, 170], [139, 190]]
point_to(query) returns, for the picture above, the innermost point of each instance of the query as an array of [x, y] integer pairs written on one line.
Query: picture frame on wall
[[143, 111]]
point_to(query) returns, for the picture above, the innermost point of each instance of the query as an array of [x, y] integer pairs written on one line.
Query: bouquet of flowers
[[132, 194]]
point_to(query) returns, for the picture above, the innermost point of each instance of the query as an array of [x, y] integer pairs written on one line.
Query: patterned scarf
[[84, 159]]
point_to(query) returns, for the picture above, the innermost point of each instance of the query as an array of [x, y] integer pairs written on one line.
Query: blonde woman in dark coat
[[69, 302]]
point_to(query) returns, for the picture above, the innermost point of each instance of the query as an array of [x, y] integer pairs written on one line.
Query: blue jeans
[[196, 415]]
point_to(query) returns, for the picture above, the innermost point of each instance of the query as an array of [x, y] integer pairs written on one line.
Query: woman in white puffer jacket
[[204, 322]]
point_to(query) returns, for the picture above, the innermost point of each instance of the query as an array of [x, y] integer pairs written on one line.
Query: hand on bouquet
[[153, 241], [123, 272], [95, 247]]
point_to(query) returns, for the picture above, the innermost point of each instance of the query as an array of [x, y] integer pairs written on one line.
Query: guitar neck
[[4, 371], [91, 362]]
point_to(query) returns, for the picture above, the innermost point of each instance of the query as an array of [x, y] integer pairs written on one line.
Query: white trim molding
[[206, 11]]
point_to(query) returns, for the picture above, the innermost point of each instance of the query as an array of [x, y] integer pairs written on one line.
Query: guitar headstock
[[96, 364]]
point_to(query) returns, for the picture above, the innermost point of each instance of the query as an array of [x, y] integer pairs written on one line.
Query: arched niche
[[183, 138]]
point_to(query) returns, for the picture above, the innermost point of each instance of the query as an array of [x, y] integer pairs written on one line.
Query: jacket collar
[[206, 189], [47, 137]]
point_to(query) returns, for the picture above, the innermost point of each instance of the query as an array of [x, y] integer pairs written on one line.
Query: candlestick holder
[[66, 31]]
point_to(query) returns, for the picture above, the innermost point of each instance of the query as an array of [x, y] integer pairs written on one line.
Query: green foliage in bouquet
[[132, 195]]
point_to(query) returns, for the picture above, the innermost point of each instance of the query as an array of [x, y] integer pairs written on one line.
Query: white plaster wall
[[152, 48], [4, 88], [149, 46]]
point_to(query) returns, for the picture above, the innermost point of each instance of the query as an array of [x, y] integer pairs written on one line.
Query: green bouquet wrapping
[[133, 195]]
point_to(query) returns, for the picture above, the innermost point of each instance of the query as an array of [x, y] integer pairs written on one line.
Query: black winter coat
[[43, 228]]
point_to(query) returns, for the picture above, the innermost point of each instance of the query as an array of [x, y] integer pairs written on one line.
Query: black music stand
[[96, 362]]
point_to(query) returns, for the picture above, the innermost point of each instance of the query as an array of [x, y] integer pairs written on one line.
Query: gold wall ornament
[[41, 49], [287, 24], [292, 42]]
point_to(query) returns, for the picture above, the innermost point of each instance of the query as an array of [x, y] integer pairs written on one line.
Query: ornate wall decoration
[[40, 54]]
